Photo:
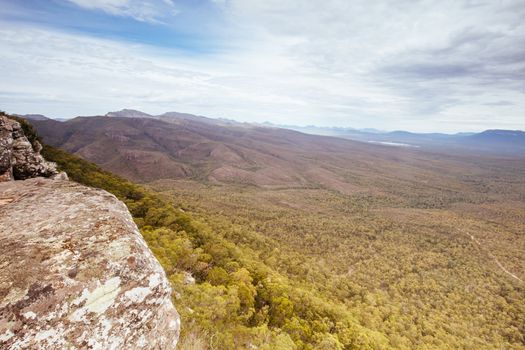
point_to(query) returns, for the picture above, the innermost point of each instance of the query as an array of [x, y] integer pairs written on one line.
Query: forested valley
[[408, 267]]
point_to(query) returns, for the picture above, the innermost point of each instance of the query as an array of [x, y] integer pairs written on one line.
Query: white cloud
[[422, 66], [144, 11], [416, 63]]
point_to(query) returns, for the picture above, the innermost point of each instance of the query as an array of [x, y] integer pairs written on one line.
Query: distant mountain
[[316, 130], [183, 116], [491, 141], [505, 136], [129, 113], [147, 149], [173, 117], [39, 117], [372, 130], [34, 117]]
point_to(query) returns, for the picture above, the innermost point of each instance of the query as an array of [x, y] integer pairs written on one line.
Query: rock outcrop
[[75, 272], [19, 160]]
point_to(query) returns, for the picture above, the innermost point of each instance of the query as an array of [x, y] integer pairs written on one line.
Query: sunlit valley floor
[[439, 272]]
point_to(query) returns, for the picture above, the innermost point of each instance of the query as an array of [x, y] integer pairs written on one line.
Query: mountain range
[[502, 142], [492, 141], [177, 146], [195, 147]]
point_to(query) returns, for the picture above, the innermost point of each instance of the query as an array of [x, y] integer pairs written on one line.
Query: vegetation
[[414, 275]]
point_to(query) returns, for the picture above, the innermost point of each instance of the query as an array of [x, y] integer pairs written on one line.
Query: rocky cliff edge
[[75, 272]]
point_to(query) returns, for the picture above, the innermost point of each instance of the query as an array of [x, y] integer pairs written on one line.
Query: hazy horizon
[[452, 66], [276, 124]]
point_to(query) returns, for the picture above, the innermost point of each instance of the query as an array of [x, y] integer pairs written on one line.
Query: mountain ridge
[[469, 141], [430, 140]]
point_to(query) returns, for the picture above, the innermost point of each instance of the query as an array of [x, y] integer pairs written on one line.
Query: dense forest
[[315, 269], [415, 275]]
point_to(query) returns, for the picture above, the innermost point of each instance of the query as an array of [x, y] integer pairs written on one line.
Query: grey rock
[[76, 273], [60, 176], [19, 160]]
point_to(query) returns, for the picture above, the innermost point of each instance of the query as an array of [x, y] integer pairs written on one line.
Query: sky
[[424, 66]]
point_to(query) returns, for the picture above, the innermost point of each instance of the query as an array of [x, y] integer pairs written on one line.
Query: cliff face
[[75, 272]]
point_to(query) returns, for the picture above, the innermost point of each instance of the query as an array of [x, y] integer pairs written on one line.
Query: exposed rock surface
[[18, 159], [75, 272]]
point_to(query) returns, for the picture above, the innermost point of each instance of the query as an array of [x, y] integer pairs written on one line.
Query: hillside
[[146, 149], [227, 296]]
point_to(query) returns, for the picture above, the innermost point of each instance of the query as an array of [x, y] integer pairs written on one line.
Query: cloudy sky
[[414, 65]]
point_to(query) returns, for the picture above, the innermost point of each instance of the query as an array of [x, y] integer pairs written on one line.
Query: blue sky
[[415, 65], [161, 24]]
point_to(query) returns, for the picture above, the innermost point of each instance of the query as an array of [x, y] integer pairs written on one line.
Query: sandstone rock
[[6, 149], [18, 159], [76, 274]]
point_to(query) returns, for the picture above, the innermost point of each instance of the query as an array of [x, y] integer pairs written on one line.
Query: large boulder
[[76, 272], [19, 159]]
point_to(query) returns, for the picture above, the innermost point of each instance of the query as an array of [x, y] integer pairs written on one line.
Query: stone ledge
[[76, 273]]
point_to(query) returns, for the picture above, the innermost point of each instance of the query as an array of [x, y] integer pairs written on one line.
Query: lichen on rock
[[76, 272]]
